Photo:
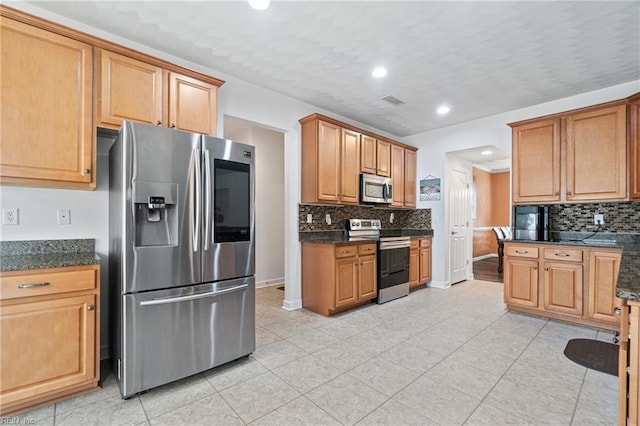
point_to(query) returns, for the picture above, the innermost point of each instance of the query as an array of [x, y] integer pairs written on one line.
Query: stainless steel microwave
[[375, 189]]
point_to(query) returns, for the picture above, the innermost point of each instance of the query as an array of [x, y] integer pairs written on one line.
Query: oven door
[[393, 261]]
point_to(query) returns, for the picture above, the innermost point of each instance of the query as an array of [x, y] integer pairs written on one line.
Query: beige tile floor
[[436, 357]]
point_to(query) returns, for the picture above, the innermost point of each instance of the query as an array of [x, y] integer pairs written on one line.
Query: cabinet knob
[[557, 193], [87, 171], [617, 311], [568, 192], [535, 267], [173, 126], [90, 308], [158, 123], [546, 269]]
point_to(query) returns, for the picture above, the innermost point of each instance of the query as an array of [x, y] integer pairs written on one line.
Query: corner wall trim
[[439, 284], [292, 305]]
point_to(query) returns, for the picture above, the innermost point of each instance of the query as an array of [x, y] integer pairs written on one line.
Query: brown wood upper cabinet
[[375, 156], [403, 175], [578, 156], [634, 151], [47, 134], [330, 163], [128, 89]]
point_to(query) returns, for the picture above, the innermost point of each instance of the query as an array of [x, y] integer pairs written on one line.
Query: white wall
[[269, 197], [493, 130]]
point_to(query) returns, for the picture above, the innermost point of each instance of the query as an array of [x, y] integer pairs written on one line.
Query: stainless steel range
[[393, 258]]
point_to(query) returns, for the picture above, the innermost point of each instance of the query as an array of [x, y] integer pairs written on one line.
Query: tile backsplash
[[618, 217], [413, 219]]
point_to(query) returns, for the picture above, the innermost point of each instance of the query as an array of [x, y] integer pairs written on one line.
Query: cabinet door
[[414, 267], [367, 278], [128, 90], [46, 346], [563, 288], [346, 283], [397, 175], [384, 158], [596, 155], [634, 152], [603, 275], [45, 87], [409, 178], [350, 163], [192, 105], [425, 265], [521, 282], [328, 162], [536, 162], [368, 157]]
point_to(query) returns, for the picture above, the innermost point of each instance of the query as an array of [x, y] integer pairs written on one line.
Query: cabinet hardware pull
[[563, 254], [568, 192], [522, 251], [158, 123], [535, 267], [345, 251], [90, 308], [557, 193], [44, 284], [173, 126], [546, 269], [617, 311], [87, 171]]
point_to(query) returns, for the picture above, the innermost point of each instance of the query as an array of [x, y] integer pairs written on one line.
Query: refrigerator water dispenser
[[156, 219]]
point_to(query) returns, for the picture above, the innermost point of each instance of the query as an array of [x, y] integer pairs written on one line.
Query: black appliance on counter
[[531, 223], [392, 259]]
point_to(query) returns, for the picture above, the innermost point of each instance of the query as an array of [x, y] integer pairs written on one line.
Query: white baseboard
[[292, 305], [485, 256], [439, 284], [270, 283]]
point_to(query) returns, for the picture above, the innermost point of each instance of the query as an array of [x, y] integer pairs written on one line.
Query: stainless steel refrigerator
[[181, 254]]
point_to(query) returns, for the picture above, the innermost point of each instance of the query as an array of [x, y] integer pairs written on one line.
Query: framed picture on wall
[[430, 188]]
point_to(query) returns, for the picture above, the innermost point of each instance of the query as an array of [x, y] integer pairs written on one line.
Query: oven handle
[[192, 297], [390, 245]]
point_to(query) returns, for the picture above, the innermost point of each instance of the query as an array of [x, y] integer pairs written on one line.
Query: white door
[[459, 212]]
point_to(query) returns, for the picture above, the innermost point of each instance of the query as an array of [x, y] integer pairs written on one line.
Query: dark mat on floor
[[594, 354], [280, 288]]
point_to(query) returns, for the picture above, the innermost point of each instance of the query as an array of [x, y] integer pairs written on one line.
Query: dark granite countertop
[[44, 254], [341, 237], [628, 286]]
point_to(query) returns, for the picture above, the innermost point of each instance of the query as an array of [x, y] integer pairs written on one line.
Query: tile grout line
[[575, 408]]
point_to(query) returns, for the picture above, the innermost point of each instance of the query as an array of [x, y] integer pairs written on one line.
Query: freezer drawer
[[175, 333]]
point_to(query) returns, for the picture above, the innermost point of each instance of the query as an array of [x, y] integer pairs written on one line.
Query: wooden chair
[[500, 236]]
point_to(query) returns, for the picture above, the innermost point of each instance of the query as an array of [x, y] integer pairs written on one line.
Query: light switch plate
[[309, 218], [327, 219]]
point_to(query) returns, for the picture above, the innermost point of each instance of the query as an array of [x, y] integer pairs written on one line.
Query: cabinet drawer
[[521, 251], [346, 251], [415, 244], [425, 242], [556, 253], [39, 284], [364, 249]]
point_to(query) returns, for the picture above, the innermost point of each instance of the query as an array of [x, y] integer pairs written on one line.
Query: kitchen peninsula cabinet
[[129, 89], [49, 322], [47, 133], [577, 156], [337, 277], [629, 364], [575, 284]]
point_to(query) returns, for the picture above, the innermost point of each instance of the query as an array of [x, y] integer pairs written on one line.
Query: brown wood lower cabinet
[[49, 322], [337, 277], [629, 365], [420, 262], [550, 280]]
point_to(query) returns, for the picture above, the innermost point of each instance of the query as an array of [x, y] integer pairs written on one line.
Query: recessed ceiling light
[[486, 152], [442, 110], [259, 4], [379, 72]]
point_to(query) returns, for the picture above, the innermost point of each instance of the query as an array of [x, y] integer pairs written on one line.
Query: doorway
[[269, 196]]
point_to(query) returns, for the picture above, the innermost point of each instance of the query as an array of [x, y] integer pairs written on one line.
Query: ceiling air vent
[[392, 100]]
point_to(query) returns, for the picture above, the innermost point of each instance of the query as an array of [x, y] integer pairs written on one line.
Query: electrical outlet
[[10, 216], [309, 218], [64, 217], [598, 219], [327, 219]]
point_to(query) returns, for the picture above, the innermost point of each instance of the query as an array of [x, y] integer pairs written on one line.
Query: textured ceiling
[[481, 58]]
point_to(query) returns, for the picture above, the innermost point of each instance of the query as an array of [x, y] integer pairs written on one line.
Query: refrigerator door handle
[[193, 296], [208, 201], [198, 176]]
